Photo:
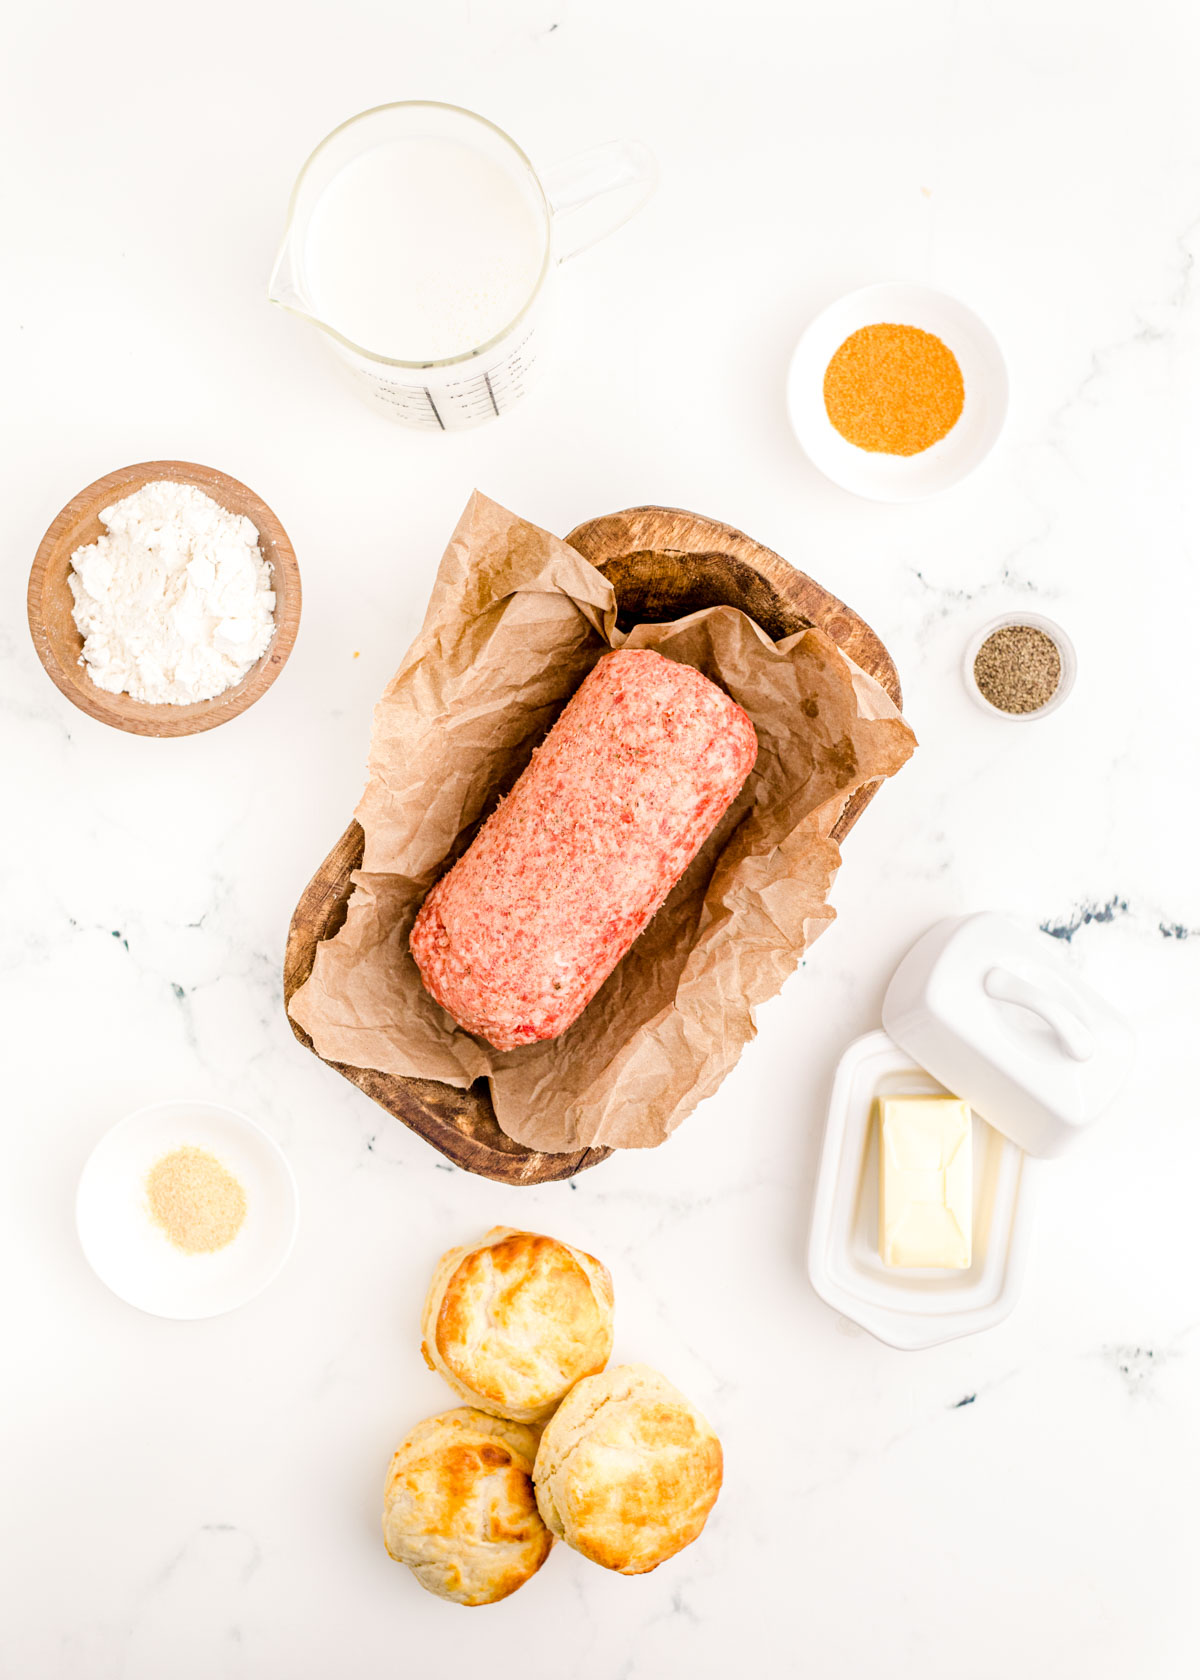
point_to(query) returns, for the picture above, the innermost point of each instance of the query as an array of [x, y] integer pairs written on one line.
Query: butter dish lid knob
[[1074, 1035], [992, 1008]]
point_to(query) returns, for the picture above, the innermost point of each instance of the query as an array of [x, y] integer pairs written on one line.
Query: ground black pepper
[[1018, 668]]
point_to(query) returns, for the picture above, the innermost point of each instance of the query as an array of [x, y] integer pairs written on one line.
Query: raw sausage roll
[[634, 776]]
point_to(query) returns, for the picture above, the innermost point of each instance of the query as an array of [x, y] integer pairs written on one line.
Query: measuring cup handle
[[596, 192]]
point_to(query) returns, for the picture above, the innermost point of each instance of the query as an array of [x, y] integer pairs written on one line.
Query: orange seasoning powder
[[894, 390]]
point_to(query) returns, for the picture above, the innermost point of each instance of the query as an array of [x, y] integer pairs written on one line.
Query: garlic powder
[[174, 602]]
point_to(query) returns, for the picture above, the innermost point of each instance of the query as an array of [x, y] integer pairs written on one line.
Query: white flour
[[174, 603]]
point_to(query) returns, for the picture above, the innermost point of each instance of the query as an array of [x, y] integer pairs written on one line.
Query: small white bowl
[[899, 478], [130, 1253], [1066, 653]]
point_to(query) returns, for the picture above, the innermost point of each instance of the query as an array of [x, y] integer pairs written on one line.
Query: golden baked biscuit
[[459, 1508], [513, 1322], [627, 1470]]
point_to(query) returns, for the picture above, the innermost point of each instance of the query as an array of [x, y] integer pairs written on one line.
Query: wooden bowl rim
[[730, 543], [121, 711]]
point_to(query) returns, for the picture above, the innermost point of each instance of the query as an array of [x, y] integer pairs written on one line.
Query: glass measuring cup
[[558, 214]]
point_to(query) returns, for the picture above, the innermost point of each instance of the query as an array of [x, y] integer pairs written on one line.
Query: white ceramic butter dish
[[989, 1010], [909, 1308]]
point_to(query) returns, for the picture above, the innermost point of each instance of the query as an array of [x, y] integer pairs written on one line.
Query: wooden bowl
[[663, 564], [59, 644]]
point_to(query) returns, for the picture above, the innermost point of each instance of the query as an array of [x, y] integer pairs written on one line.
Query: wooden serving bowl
[[663, 564], [50, 602]]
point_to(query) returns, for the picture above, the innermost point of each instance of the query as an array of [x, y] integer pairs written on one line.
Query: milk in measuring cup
[[418, 241], [423, 248]]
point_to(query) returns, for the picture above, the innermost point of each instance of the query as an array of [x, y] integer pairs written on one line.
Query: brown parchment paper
[[516, 620]]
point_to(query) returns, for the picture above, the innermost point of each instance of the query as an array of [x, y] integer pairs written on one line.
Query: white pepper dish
[[134, 1257], [1032, 621]]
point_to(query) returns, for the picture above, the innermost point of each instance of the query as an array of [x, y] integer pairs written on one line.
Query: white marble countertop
[[201, 1500]]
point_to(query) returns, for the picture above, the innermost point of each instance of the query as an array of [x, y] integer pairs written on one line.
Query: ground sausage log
[[638, 770]]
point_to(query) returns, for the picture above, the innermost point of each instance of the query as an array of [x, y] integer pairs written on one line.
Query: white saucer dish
[[899, 478], [909, 1308], [135, 1258]]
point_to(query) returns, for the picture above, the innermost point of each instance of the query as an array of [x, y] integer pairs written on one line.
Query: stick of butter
[[925, 1181]]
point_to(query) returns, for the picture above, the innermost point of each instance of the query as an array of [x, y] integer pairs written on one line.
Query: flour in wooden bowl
[[174, 601]]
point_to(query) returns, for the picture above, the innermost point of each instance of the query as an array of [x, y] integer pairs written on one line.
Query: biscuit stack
[[549, 1443]]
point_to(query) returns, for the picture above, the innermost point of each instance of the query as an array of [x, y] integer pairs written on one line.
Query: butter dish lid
[[994, 1011]]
